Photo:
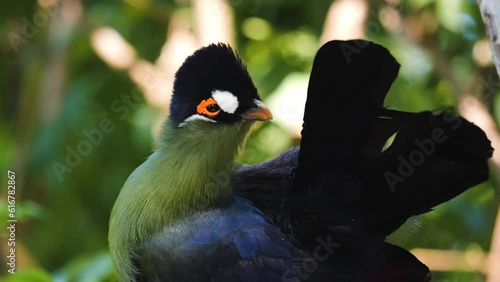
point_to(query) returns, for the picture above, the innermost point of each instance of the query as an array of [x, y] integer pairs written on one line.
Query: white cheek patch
[[194, 117], [226, 101]]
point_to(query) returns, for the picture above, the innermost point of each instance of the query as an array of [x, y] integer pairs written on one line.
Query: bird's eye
[[208, 108], [213, 108]]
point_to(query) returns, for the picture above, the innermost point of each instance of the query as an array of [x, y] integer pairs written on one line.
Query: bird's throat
[[198, 160]]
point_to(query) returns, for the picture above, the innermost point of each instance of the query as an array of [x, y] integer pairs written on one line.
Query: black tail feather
[[345, 179]]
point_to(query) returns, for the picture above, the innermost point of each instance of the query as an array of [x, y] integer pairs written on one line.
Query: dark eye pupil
[[213, 108]]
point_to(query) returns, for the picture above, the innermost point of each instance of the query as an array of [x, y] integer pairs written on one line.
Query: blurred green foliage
[[63, 220]]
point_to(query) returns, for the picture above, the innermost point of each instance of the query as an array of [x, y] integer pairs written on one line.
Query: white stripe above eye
[[226, 101], [194, 117]]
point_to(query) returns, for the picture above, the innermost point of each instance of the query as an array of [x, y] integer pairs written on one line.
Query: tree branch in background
[[490, 11], [345, 20]]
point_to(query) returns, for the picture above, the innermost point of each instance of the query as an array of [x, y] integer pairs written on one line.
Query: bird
[[176, 218], [318, 212]]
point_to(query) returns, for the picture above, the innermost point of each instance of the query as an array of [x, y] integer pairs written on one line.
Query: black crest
[[215, 66]]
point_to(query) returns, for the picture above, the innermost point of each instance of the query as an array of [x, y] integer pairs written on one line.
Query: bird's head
[[213, 86]]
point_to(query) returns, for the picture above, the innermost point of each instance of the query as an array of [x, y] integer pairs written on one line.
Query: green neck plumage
[[200, 157]]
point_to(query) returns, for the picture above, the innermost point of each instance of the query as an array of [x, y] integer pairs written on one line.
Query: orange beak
[[259, 112]]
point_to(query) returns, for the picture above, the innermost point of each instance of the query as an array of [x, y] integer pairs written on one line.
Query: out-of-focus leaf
[[86, 268], [30, 274]]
